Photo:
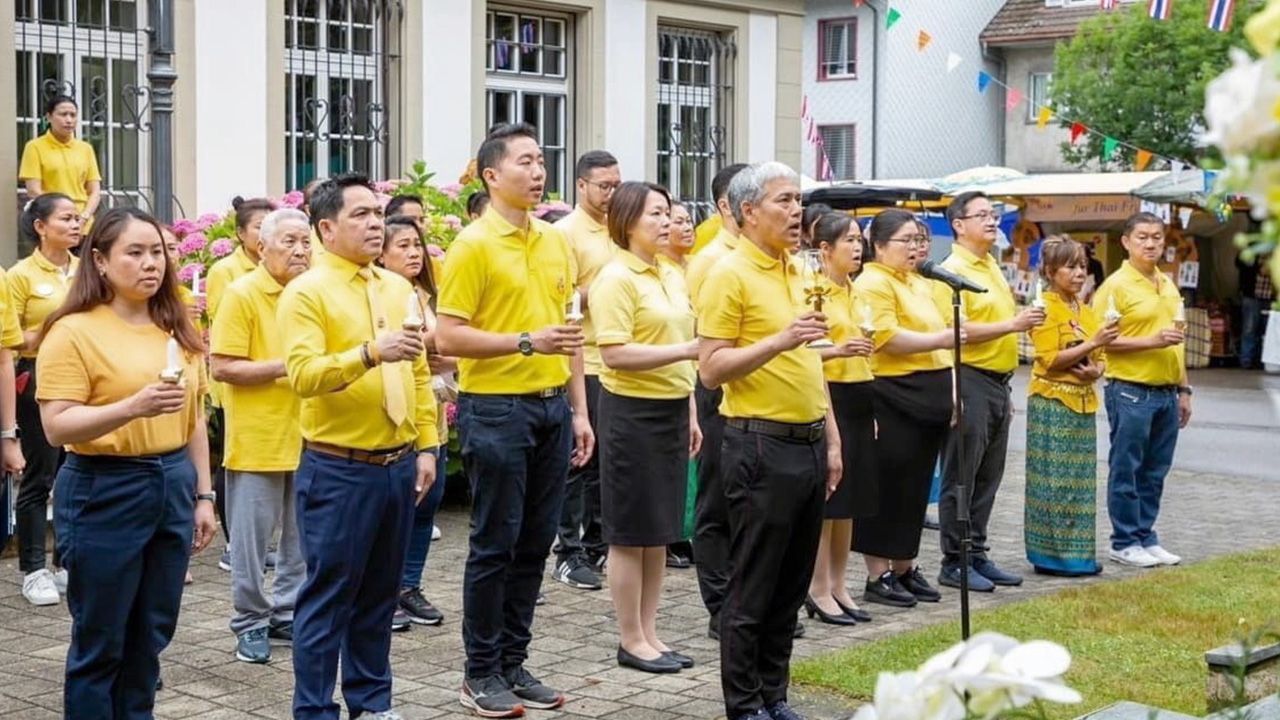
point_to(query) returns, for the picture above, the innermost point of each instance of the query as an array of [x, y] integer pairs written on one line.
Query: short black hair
[[1141, 218], [591, 160], [57, 100], [720, 183], [960, 205], [494, 147], [477, 202], [812, 213], [326, 199], [399, 201]]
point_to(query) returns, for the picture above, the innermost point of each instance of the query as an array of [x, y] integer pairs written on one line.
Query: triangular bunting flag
[[1043, 118], [1184, 214], [923, 40], [1109, 146], [1012, 98], [892, 18], [984, 80], [859, 3], [1077, 129], [953, 61], [1142, 160]]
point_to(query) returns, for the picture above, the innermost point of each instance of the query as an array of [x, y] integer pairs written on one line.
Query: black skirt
[[644, 466], [858, 494], [913, 414]]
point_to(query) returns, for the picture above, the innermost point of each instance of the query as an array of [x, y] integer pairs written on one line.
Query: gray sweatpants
[[257, 504]]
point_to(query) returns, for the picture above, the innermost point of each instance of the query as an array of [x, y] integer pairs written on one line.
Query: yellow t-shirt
[[592, 249], [324, 318], [501, 279], [1145, 309], [845, 312], [10, 328], [60, 167], [96, 358], [262, 420], [224, 272], [996, 305], [37, 288], [900, 301], [747, 297], [701, 263], [1063, 328], [648, 305]]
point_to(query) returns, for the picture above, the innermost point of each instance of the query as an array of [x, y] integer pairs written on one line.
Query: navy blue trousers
[[353, 525], [124, 530]]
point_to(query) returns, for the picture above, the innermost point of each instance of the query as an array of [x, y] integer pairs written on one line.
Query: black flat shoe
[[685, 661], [812, 609], [913, 582], [856, 613], [885, 590], [660, 664]]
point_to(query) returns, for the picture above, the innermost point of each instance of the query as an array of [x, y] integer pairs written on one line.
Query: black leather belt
[[1002, 378], [368, 457], [803, 432], [544, 394], [1157, 388]]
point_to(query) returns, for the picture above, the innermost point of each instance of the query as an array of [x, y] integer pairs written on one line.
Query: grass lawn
[[1141, 639]]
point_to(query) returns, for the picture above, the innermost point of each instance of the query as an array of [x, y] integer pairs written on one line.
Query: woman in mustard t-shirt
[[121, 385], [59, 162]]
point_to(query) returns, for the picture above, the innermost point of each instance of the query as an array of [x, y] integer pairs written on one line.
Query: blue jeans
[[1144, 433], [423, 521], [516, 453], [1252, 326], [124, 529]]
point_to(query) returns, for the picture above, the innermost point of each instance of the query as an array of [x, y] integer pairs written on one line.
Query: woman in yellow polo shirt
[[189, 299], [58, 162], [648, 430], [1062, 443], [847, 367], [680, 241], [37, 286], [121, 385], [912, 389]]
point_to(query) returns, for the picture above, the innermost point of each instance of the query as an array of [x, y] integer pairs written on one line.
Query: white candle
[[575, 307], [1112, 315], [412, 313], [172, 372], [195, 282], [1037, 302]]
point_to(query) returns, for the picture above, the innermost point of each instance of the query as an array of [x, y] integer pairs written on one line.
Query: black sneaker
[[531, 691], [913, 582], [886, 590], [418, 608], [490, 697], [597, 563], [280, 631], [782, 711], [400, 621], [577, 574], [992, 572], [950, 576]]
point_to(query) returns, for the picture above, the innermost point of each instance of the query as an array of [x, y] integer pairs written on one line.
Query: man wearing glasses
[[580, 548], [989, 358]]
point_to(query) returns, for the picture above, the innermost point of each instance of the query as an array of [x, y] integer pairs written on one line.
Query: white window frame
[[1037, 97], [851, 47]]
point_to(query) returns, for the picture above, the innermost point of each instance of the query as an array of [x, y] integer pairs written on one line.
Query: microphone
[[934, 271]]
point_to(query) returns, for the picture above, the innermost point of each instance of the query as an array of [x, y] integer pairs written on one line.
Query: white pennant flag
[[1184, 214], [953, 61]]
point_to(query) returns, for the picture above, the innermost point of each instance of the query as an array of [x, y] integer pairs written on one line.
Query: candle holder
[[1180, 320], [816, 290]]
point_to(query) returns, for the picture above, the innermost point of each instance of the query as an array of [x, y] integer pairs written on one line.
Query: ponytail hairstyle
[[426, 276], [39, 209], [830, 228], [246, 210], [886, 224]]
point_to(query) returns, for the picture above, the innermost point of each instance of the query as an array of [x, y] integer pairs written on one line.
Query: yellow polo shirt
[[996, 305], [1063, 328], [96, 358], [746, 298], [10, 329], [224, 272], [900, 301], [501, 279], [60, 167], [324, 317], [1145, 308], [262, 420], [592, 249], [37, 288], [845, 312], [648, 305], [701, 262]]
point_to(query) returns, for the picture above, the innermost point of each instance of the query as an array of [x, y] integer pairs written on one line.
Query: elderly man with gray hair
[[781, 450], [263, 440]]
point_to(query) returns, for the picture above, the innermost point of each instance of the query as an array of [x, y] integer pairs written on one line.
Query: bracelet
[[364, 356], [374, 355]]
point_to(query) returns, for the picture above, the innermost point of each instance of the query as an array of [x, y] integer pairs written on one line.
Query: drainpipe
[[1002, 74], [875, 92]]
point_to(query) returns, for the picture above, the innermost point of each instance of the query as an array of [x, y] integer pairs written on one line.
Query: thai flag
[[1159, 9], [1220, 12]]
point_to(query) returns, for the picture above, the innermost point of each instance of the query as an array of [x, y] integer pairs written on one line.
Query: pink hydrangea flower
[[291, 199], [450, 413], [543, 208], [435, 250], [222, 248], [383, 199], [453, 190], [183, 227], [385, 186], [453, 221], [207, 220], [193, 243], [189, 270]]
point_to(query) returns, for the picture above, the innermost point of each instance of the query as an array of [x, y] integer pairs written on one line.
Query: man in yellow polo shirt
[[781, 457], [263, 441], [522, 413], [368, 421], [580, 547], [1147, 397], [989, 357], [724, 242]]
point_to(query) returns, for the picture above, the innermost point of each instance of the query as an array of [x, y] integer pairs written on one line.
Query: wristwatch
[[210, 496], [11, 434], [1186, 390], [525, 344]]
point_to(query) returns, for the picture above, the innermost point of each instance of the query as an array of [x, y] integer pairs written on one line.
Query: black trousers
[[775, 490], [988, 411], [43, 461], [580, 532], [711, 510], [217, 446]]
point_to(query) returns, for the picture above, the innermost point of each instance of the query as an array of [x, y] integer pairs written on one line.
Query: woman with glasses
[[912, 395]]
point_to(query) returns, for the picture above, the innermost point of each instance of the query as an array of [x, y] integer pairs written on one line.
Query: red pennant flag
[[859, 3], [1077, 129]]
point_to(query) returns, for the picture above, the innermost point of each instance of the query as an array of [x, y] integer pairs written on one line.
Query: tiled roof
[[1029, 21]]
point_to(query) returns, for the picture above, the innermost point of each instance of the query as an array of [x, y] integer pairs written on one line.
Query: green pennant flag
[[1109, 146], [892, 18]]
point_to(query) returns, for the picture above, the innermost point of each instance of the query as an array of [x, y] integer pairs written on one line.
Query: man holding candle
[[368, 423], [1147, 397]]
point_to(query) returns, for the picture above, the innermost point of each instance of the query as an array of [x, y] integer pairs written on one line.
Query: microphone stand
[[962, 484]]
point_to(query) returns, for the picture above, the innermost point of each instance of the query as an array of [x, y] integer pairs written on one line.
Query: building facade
[[272, 93]]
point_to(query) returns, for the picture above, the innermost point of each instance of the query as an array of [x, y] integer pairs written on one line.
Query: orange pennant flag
[[1042, 120], [1142, 160], [923, 40]]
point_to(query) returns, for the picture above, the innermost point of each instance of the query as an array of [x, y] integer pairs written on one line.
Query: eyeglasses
[[911, 240], [605, 187], [983, 216]]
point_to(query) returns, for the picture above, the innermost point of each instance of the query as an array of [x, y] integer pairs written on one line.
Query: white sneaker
[[435, 532], [60, 580], [1162, 556], [38, 588], [1134, 555]]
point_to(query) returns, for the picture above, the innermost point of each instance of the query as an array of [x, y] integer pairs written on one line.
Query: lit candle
[[1037, 302], [867, 327], [575, 308], [172, 372], [1112, 315], [412, 313], [195, 282], [1180, 319]]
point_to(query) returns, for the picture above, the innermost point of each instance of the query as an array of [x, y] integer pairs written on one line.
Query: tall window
[[838, 49], [1038, 85], [837, 151], [695, 110], [528, 66], [93, 51], [336, 62]]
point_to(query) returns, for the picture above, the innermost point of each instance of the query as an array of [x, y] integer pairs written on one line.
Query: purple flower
[[183, 227], [222, 248], [450, 413], [291, 199], [193, 243], [385, 186], [543, 208], [453, 221], [435, 250], [453, 190], [207, 220], [189, 270]]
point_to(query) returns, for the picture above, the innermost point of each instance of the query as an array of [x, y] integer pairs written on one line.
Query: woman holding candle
[[37, 286], [190, 295], [122, 383]]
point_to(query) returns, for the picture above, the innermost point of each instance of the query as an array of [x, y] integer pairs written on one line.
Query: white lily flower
[[1240, 105]]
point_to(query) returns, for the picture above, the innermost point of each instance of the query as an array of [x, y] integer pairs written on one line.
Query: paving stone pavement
[[574, 640]]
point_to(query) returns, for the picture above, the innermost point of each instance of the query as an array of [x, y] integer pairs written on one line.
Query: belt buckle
[[816, 431]]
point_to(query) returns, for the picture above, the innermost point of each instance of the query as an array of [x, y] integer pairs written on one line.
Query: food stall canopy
[[1188, 187], [851, 196], [1013, 184]]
